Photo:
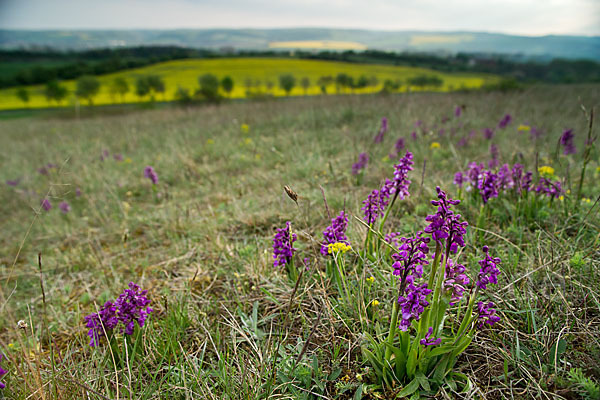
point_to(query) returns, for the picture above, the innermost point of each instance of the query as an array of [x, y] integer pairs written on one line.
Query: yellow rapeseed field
[[258, 71]]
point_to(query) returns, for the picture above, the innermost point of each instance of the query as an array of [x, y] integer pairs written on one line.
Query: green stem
[[392, 333], [438, 290], [468, 317], [436, 262]]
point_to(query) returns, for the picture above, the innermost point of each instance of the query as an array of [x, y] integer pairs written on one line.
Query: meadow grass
[[227, 324], [185, 73]]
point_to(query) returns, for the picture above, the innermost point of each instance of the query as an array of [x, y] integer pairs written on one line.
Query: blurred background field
[[257, 76]]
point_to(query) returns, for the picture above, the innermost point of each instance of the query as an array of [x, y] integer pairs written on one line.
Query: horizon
[[75, 29], [510, 17]]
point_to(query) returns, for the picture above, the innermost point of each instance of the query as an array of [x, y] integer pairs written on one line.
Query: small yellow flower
[[245, 128], [338, 247], [11, 345], [375, 303], [586, 200], [248, 141], [524, 128], [126, 206], [210, 141], [568, 191], [129, 194], [434, 145], [257, 156], [546, 171], [370, 280], [385, 159], [128, 160], [561, 197], [598, 170]]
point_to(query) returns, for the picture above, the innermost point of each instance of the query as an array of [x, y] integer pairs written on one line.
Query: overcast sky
[[528, 17]]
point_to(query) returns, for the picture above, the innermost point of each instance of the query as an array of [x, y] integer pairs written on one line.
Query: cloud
[[530, 17]]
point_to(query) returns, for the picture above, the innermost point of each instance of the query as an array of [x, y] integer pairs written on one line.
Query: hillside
[[249, 74], [543, 47]]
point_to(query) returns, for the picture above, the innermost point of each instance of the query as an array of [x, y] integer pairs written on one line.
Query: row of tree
[[210, 87], [41, 67]]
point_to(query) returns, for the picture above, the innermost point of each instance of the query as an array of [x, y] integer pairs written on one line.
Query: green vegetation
[[251, 77], [287, 83], [22, 67], [209, 87], [54, 91], [87, 88], [226, 323]]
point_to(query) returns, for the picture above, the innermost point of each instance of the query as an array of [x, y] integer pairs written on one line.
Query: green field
[[185, 73], [227, 323]]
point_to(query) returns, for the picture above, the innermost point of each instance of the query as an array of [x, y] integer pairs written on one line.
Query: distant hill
[[525, 47]]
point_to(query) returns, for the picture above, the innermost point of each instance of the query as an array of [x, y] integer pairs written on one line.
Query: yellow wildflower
[[338, 247], [598, 170], [245, 128], [128, 160], [257, 156], [370, 280], [248, 141], [210, 141], [546, 171], [586, 200], [375, 303], [434, 145], [561, 197], [126, 206], [524, 128]]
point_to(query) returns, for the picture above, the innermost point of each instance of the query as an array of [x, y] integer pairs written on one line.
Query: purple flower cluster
[[64, 207], [490, 184], [151, 174], [104, 155], [507, 119], [428, 341], [393, 238], [488, 273], [457, 111], [13, 182], [488, 133], [445, 224], [398, 147], [412, 304], [2, 373], [549, 188], [336, 232], [566, 140], [377, 201], [283, 245], [487, 185], [371, 207], [382, 130], [494, 154], [410, 258], [363, 160], [46, 205], [486, 314], [401, 181], [131, 307], [456, 281]]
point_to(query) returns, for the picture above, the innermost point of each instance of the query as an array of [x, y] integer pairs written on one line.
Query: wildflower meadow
[[415, 245]]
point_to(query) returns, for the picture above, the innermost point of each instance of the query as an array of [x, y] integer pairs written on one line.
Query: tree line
[[41, 67], [211, 87]]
